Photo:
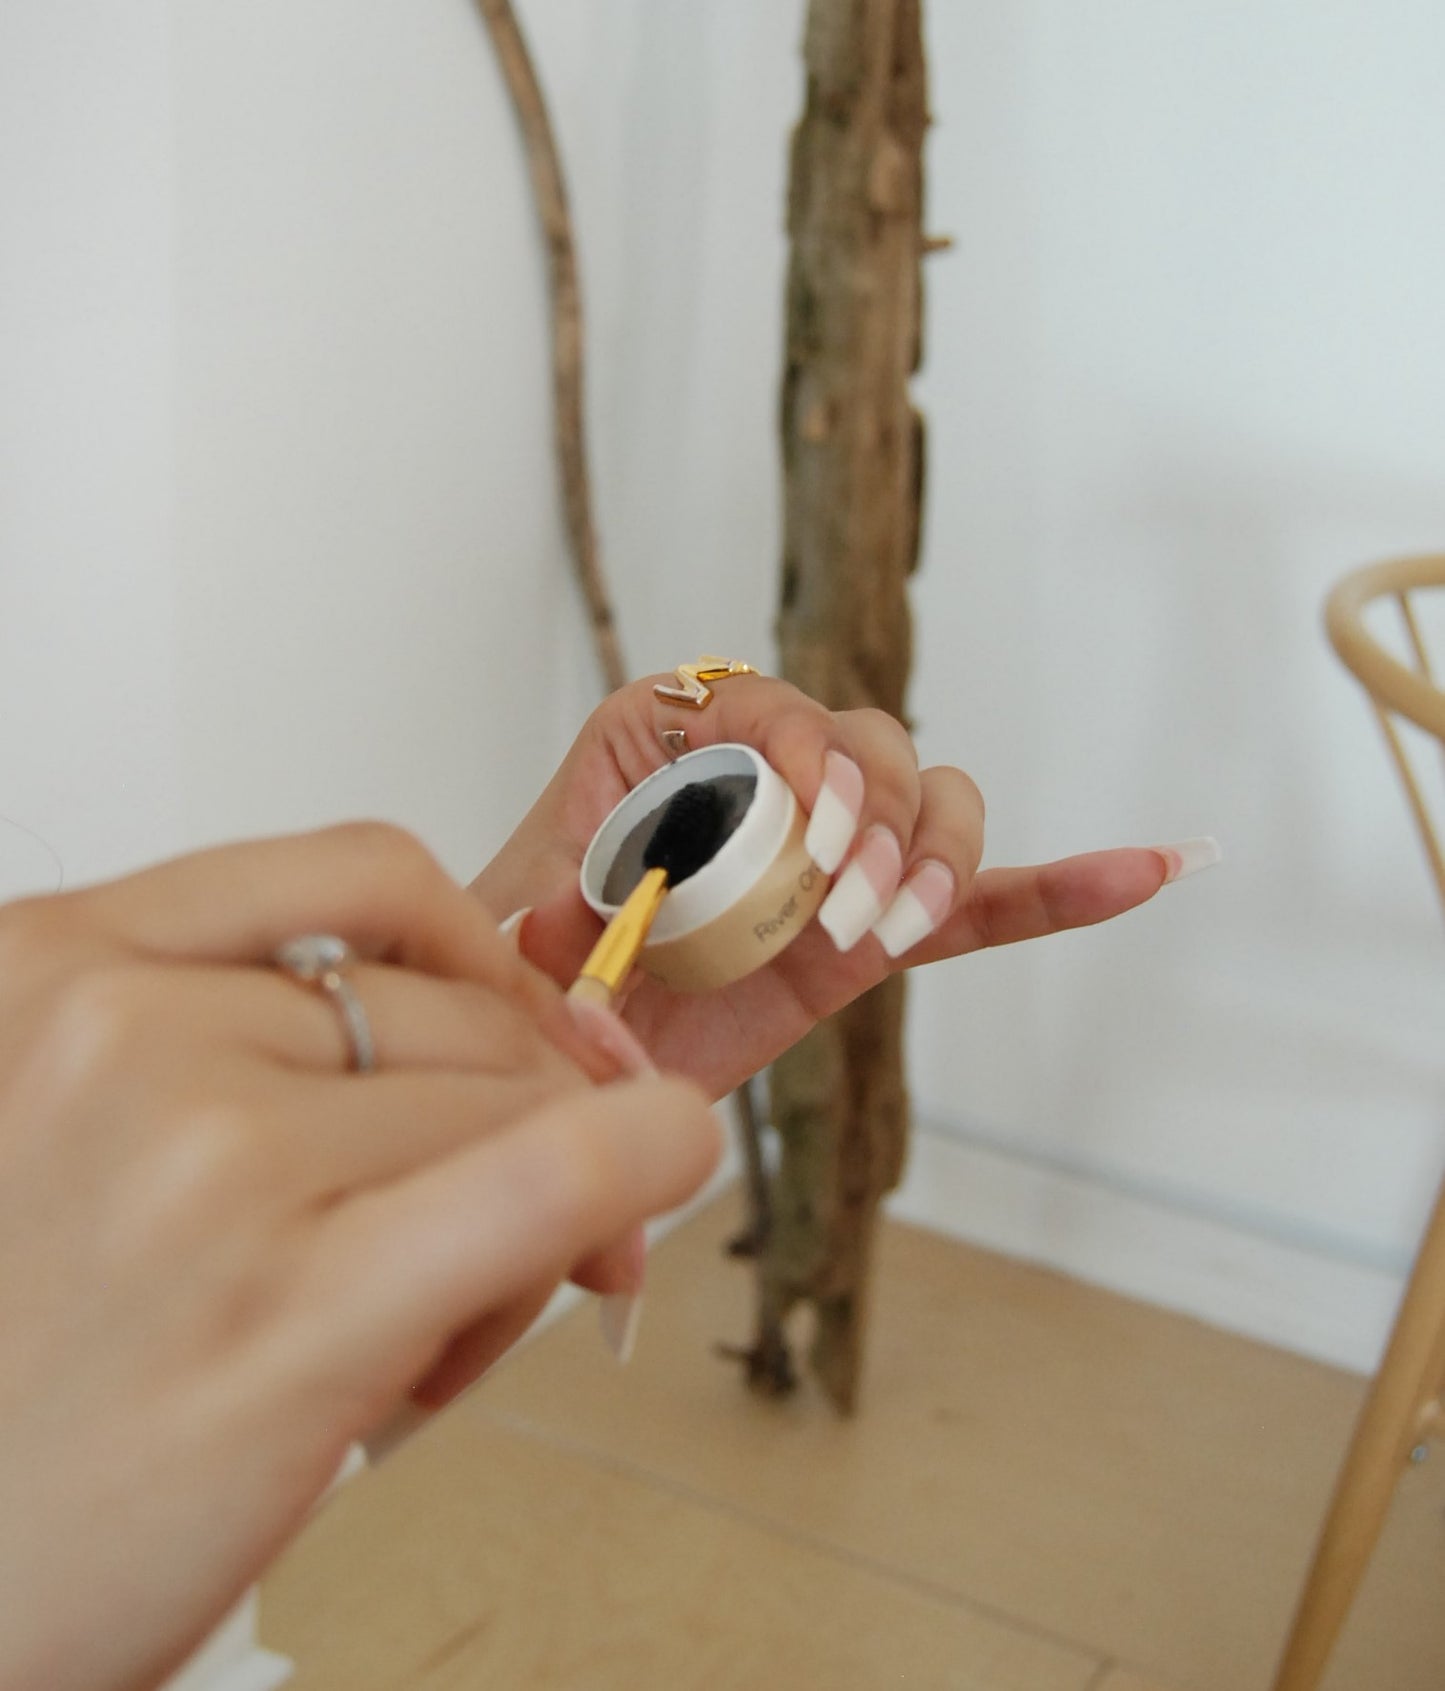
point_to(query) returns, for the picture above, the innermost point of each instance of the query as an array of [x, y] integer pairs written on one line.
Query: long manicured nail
[[394, 1432], [513, 924], [620, 1315], [834, 821], [919, 906], [608, 1034], [863, 889], [1188, 857]]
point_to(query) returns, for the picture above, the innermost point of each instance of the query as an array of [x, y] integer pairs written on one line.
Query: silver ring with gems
[[321, 961]]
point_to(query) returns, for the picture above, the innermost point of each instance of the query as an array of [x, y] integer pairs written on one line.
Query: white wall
[[278, 540], [1185, 369], [87, 634]]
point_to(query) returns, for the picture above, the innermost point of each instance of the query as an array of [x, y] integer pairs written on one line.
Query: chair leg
[[1391, 1423], [1432, 1420]]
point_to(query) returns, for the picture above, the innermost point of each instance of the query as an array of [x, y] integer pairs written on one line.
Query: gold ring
[[695, 681]]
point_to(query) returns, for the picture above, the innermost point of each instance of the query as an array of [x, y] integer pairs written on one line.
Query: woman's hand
[[906, 843], [223, 1258]]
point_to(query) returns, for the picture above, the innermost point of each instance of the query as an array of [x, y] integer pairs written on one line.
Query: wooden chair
[[1406, 1402]]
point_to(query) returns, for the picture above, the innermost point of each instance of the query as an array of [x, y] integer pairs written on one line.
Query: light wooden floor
[[1049, 1489]]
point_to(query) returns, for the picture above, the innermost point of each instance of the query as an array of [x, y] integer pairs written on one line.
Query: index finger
[[373, 884], [1005, 906]]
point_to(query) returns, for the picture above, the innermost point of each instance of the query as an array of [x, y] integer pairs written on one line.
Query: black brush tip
[[692, 827]]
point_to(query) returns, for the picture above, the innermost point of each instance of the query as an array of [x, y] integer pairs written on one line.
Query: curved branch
[[549, 190]]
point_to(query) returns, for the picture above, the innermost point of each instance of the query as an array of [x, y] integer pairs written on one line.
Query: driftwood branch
[[853, 463], [853, 468], [754, 1236], [549, 189]]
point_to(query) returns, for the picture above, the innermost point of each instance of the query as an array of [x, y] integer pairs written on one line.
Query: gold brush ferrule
[[614, 954]]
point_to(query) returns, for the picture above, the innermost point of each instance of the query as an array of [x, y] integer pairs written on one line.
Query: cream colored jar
[[746, 904]]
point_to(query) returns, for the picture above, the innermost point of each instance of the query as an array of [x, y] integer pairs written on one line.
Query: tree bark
[[853, 479]]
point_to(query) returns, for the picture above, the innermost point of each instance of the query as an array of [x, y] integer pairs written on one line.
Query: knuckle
[[18, 942], [969, 789], [211, 1155], [99, 1015], [635, 698], [29, 931], [801, 725], [894, 763], [393, 850], [202, 1175], [797, 738], [883, 725], [953, 794], [894, 796]]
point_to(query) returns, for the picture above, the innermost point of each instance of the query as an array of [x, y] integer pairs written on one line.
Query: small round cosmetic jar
[[747, 902]]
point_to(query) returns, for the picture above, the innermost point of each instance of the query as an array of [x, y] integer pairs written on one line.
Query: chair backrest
[[1395, 688]]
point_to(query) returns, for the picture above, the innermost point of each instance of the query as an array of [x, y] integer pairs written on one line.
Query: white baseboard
[[1305, 1301], [1279, 1293], [1282, 1294]]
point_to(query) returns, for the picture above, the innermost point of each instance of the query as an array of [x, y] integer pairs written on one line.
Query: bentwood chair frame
[[1406, 1402]]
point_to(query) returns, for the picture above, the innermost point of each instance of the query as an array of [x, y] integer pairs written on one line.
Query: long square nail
[[858, 898], [1188, 857], [919, 907], [836, 809]]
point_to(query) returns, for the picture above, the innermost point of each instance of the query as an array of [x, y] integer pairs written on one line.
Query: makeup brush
[[694, 823]]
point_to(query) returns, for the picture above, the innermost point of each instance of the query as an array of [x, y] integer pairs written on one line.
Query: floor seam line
[[919, 1584]]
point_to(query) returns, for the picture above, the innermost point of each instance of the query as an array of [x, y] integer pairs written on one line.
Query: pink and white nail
[[512, 927], [863, 890], [834, 820], [919, 907], [1188, 857]]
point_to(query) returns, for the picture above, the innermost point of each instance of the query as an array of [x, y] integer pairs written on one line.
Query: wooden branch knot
[[816, 423], [889, 176]]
